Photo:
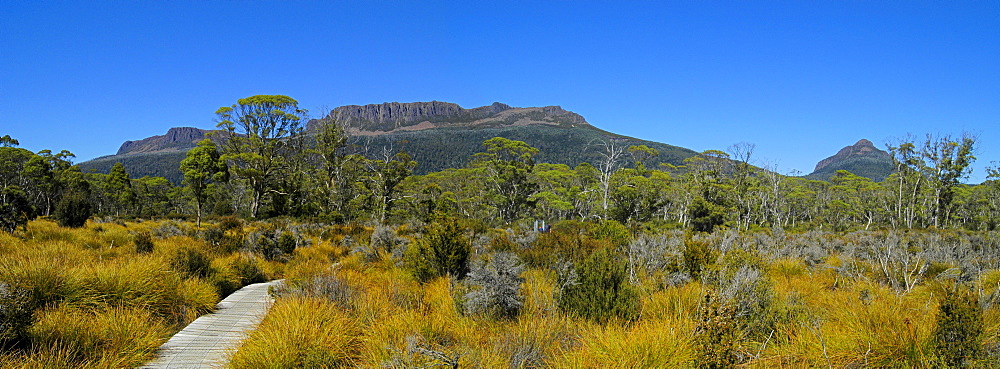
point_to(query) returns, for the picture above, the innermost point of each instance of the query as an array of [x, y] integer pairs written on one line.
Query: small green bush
[[143, 242], [73, 210], [599, 289], [718, 333], [611, 231], [191, 261], [959, 328], [698, 255], [443, 250], [248, 269]]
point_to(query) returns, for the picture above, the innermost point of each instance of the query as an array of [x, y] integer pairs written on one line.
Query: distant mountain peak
[[376, 119], [862, 158], [176, 139]]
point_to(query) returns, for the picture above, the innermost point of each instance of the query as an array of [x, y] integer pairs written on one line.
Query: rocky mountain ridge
[[862, 158], [438, 135], [376, 119], [176, 139]]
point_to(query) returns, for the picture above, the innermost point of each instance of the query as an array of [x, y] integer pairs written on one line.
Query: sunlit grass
[[97, 302]]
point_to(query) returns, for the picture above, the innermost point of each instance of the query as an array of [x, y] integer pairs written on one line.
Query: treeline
[[269, 167]]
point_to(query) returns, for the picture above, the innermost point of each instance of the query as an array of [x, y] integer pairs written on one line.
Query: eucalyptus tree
[[508, 164], [118, 189], [260, 133], [202, 167], [383, 179]]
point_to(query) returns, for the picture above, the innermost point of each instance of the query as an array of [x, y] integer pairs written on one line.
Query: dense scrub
[[660, 298], [108, 294]]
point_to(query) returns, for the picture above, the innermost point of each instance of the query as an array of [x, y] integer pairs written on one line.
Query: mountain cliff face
[[176, 139], [862, 158], [376, 119], [438, 135]]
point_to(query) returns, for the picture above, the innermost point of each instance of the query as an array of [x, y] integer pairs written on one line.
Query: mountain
[[862, 158], [176, 139], [156, 156], [438, 135], [378, 119]]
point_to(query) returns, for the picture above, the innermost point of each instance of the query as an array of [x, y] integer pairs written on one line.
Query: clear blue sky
[[799, 79]]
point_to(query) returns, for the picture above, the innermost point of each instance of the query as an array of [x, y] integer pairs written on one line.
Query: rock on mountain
[[376, 119], [176, 139], [862, 158], [438, 135]]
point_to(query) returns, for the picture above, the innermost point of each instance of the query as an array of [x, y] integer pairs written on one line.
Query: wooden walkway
[[209, 340]]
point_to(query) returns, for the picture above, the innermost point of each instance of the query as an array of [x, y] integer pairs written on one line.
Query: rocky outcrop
[[178, 138], [862, 158], [392, 117], [862, 148]]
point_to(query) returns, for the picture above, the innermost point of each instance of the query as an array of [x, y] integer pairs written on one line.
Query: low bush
[[73, 210], [443, 250], [496, 287], [143, 242], [957, 336], [600, 290]]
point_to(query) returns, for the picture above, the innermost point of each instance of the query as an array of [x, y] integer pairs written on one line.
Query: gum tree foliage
[[336, 170], [508, 164], [383, 179], [203, 166], [14, 207], [927, 178], [261, 130], [118, 189]]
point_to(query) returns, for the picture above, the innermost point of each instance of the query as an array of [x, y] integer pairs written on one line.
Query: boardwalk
[[207, 342]]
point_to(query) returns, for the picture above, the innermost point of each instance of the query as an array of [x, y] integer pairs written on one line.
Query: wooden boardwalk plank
[[208, 341]]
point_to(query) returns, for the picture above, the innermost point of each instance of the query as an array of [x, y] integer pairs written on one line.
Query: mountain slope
[[438, 135], [862, 158]]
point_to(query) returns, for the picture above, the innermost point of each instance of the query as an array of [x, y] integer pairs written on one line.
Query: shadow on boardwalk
[[208, 341]]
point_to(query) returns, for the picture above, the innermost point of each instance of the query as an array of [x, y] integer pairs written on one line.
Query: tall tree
[[202, 166], [259, 130], [949, 162], [118, 189], [508, 164], [384, 176]]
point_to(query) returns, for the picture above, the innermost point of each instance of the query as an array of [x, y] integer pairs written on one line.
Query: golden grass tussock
[[95, 301], [107, 338], [304, 332], [646, 344]]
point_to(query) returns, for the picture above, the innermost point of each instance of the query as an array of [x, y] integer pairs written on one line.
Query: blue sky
[[799, 79]]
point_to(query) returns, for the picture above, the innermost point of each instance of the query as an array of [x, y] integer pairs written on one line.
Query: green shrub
[[959, 328], [73, 210], [443, 250], [248, 269], [191, 261], [718, 333], [230, 223], [599, 289], [16, 310], [611, 231], [143, 242], [698, 255], [705, 216], [14, 209]]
